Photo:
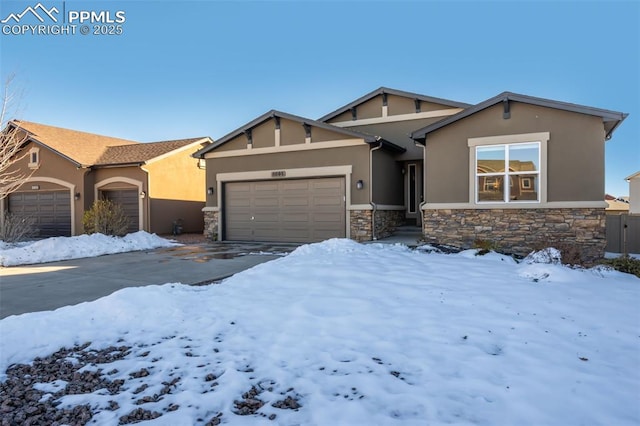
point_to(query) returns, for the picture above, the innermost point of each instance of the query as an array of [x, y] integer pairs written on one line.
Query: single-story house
[[393, 157], [156, 183], [616, 205]]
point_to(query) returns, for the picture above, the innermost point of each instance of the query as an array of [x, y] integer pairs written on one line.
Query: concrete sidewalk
[[53, 285]]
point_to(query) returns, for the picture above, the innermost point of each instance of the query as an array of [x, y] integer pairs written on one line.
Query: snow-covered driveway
[[355, 334]]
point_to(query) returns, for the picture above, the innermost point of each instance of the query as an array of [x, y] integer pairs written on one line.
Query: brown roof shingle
[[81, 147], [139, 153], [88, 149]]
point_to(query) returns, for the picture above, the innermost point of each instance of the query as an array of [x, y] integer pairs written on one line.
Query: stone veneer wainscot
[[211, 219], [520, 231], [386, 223]]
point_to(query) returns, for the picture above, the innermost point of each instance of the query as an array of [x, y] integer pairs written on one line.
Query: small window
[[34, 158]]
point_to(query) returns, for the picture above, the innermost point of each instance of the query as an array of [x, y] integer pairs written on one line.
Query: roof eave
[[420, 134], [389, 145], [633, 176], [206, 140], [114, 165], [609, 134]]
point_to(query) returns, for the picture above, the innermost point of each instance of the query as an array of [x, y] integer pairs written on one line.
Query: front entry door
[[413, 190]]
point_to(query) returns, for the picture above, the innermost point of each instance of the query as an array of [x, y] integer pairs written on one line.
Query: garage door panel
[[295, 185], [326, 185], [128, 199], [303, 218], [51, 211], [301, 210], [271, 201]]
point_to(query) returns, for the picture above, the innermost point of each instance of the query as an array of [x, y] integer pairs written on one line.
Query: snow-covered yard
[[339, 333], [65, 248]]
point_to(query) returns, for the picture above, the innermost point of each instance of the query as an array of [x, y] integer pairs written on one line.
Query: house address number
[[278, 173]]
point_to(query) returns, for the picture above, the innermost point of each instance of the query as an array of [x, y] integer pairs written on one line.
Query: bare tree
[[12, 140]]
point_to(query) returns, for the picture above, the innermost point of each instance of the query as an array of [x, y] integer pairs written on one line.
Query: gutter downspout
[[424, 187], [374, 206]]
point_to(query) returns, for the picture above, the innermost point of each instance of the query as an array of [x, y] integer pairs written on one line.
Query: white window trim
[[34, 164], [541, 137]]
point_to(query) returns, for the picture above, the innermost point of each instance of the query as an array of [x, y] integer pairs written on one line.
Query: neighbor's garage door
[[51, 209], [128, 199], [301, 210]]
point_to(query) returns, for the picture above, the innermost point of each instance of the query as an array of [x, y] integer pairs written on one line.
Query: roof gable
[[611, 119], [401, 93], [302, 120], [82, 148]]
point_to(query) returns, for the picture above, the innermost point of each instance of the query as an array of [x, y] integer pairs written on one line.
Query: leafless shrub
[[15, 227], [12, 140], [105, 217]]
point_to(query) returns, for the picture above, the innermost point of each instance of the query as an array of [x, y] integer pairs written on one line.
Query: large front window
[[517, 164]]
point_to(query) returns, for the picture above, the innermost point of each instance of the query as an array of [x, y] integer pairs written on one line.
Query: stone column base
[[211, 219], [386, 223]]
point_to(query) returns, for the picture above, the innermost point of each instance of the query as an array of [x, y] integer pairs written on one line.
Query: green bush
[[624, 264], [105, 217], [484, 246]]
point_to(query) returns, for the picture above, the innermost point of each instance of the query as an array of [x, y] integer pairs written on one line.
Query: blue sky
[[193, 68]]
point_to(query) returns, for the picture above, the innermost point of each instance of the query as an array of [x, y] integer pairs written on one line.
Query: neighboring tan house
[[394, 157], [156, 183], [616, 205], [634, 193]]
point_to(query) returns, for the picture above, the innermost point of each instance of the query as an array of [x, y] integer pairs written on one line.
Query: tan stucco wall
[[176, 191], [370, 109], [397, 105], [319, 134], [263, 135], [131, 172], [176, 177], [291, 132], [575, 160], [239, 142], [400, 105], [345, 116], [357, 156], [398, 133], [388, 179], [52, 165], [634, 195]]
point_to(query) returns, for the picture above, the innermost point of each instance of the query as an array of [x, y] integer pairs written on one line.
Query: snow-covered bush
[[548, 255]]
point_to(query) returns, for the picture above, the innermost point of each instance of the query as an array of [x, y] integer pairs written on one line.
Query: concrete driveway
[[53, 285]]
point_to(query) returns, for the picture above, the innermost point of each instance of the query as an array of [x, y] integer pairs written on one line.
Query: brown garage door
[[297, 210], [128, 199], [51, 209]]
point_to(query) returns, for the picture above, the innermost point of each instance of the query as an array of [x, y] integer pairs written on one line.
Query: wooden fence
[[623, 233]]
